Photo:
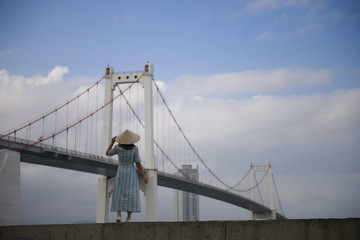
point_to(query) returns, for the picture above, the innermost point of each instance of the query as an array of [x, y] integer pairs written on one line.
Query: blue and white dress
[[126, 195]]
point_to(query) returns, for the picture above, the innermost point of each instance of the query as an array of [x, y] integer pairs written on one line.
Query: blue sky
[[193, 37], [285, 75]]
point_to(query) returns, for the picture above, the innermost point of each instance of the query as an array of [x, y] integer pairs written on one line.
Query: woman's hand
[[139, 166], [145, 180], [110, 146]]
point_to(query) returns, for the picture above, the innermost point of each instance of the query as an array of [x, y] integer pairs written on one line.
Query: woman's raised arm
[[110, 146]]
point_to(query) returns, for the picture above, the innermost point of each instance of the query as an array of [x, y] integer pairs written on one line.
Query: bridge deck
[[48, 155]]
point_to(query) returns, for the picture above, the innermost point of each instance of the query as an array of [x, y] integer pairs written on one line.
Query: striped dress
[[126, 195]]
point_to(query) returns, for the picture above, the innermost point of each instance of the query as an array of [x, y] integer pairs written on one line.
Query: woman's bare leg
[[128, 216], [118, 217]]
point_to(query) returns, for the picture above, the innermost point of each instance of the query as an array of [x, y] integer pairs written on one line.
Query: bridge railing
[[50, 147]]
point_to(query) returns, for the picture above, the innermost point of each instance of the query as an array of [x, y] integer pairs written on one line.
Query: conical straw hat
[[127, 137]]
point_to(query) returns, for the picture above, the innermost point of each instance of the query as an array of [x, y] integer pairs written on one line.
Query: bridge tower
[[105, 186], [268, 168]]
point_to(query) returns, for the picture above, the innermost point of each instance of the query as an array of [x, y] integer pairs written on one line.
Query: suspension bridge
[[68, 137]]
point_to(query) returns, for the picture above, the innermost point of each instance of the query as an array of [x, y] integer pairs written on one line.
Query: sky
[[249, 81]]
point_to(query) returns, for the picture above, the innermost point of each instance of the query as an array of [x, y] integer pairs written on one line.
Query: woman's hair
[[127, 146]]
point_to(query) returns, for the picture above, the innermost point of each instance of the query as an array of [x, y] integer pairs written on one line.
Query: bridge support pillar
[[150, 190], [151, 196], [9, 187], [103, 199], [268, 168], [271, 215], [151, 166], [102, 204]]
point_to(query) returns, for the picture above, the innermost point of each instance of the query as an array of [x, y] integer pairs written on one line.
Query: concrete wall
[[9, 187], [312, 229]]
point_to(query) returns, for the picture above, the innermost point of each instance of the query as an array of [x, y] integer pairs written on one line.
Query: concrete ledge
[[326, 229]]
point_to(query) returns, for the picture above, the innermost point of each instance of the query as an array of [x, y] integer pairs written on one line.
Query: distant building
[[186, 205]]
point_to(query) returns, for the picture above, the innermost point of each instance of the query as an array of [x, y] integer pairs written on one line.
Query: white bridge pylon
[[105, 186], [268, 170]]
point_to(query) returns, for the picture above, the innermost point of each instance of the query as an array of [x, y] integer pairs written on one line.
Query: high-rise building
[[186, 205]]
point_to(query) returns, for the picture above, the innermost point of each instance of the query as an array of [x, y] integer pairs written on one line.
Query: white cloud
[[198, 98], [303, 31], [54, 75], [275, 4], [265, 36], [24, 99], [251, 81], [265, 122], [263, 5], [10, 52], [129, 17], [161, 85]]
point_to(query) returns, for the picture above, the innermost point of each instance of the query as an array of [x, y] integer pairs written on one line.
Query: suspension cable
[[246, 190], [182, 132], [237, 184], [96, 125], [79, 122], [166, 156], [157, 145], [262, 200], [67, 123], [131, 108], [53, 111], [277, 194]]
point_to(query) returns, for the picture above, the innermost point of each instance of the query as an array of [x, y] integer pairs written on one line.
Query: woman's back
[[126, 156]]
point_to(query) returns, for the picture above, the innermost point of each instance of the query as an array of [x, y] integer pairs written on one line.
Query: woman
[[126, 195]]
